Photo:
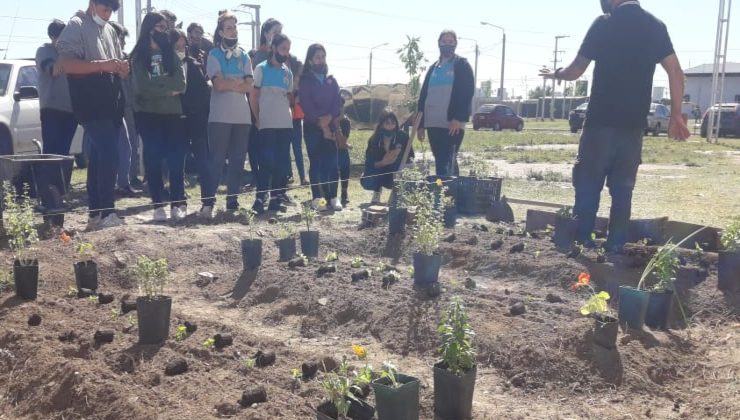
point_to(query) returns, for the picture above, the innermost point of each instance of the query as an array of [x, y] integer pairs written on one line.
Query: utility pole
[[554, 68], [257, 22], [370, 76], [503, 57], [475, 71], [718, 76], [120, 14], [543, 70]]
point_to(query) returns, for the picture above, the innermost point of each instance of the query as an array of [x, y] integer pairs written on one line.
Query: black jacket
[[375, 151], [463, 88], [197, 96]]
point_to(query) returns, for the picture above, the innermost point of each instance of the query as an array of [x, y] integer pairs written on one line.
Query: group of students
[[184, 95]]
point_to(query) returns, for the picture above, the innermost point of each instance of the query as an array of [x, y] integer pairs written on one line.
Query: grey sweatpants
[[226, 141]]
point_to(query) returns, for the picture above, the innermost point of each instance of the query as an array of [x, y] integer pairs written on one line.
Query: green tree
[[581, 88], [536, 93], [414, 62], [486, 88]]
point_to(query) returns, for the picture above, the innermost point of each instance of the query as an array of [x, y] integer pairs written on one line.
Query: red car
[[497, 117]]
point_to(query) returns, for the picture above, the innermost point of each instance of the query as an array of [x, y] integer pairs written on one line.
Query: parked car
[[658, 119], [497, 117], [729, 120], [20, 119], [577, 116]]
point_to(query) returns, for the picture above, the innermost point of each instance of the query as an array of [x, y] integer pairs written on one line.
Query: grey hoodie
[[84, 39]]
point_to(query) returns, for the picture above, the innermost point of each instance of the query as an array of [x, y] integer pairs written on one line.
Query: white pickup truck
[[20, 119]]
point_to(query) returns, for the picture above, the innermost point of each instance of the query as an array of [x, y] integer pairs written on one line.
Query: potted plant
[[606, 326], [152, 306], [427, 260], [309, 238], [251, 248], [286, 242], [447, 203], [86, 269], [398, 211], [22, 237], [396, 395], [728, 269], [566, 228], [454, 375], [341, 403]]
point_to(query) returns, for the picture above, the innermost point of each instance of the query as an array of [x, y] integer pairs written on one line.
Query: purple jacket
[[319, 99]]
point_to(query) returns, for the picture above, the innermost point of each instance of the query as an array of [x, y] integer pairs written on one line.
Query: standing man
[[626, 42], [92, 59], [58, 124], [200, 46]]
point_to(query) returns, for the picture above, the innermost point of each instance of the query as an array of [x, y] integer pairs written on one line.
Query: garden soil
[[540, 364]]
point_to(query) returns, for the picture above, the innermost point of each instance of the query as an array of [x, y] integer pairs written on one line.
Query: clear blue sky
[[350, 28]]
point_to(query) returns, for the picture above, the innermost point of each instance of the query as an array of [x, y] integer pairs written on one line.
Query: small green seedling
[[210, 343], [331, 257], [115, 314], [248, 363], [92, 299], [304, 258], [181, 333], [296, 374], [132, 320], [72, 291], [357, 262]]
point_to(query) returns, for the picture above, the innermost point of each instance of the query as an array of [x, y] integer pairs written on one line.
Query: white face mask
[[100, 21], [181, 55]]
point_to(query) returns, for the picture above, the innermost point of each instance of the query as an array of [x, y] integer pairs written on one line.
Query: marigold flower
[[583, 280], [322, 202], [439, 182], [359, 351], [65, 238]]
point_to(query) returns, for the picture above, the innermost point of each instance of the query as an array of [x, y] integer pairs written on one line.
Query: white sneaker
[[178, 213], [376, 197], [316, 204], [336, 205], [206, 212], [159, 215], [111, 220], [93, 223]]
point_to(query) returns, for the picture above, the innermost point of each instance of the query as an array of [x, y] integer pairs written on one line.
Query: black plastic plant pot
[[86, 275], [287, 249], [453, 395], [728, 271], [26, 277], [633, 305], [397, 220], [450, 217], [326, 411], [426, 268], [565, 232], [605, 331], [360, 410], [400, 403], [251, 253], [310, 243], [658, 309], [154, 319]]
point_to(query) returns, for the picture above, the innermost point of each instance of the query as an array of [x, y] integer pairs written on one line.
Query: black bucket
[[728, 271], [251, 253], [426, 268], [310, 243], [154, 319], [658, 309], [453, 395], [400, 403], [26, 277], [605, 331], [450, 217], [397, 220], [565, 232], [86, 275], [633, 304], [287, 248]]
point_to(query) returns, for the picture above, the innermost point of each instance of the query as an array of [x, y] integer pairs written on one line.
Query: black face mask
[[320, 68], [230, 42], [447, 50], [387, 133], [161, 39], [281, 58], [606, 6]]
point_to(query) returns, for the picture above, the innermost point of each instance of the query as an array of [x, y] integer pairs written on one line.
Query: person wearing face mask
[[229, 120], [273, 85], [445, 103], [92, 60], [383, 155], [322, 106], [158, 81], [195, 106], [626, 43]]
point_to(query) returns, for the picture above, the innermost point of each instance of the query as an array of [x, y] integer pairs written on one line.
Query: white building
[[699, 84]]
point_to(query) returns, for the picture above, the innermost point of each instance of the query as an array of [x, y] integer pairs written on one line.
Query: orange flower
[[583, 280], [359, 351], [65, 238]]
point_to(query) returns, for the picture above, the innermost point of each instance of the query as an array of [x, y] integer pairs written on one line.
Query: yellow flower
[[322, 202], [359, 351], [438, 182]]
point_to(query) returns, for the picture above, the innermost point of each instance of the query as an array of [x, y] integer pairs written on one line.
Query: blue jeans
[[274, 160], [164, 141], [323, 162], [102, 164], [445, 149], [612, 155], [196, 126], [297, 141]]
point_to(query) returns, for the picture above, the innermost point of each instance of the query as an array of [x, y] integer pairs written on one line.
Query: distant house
[[699, 84]]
